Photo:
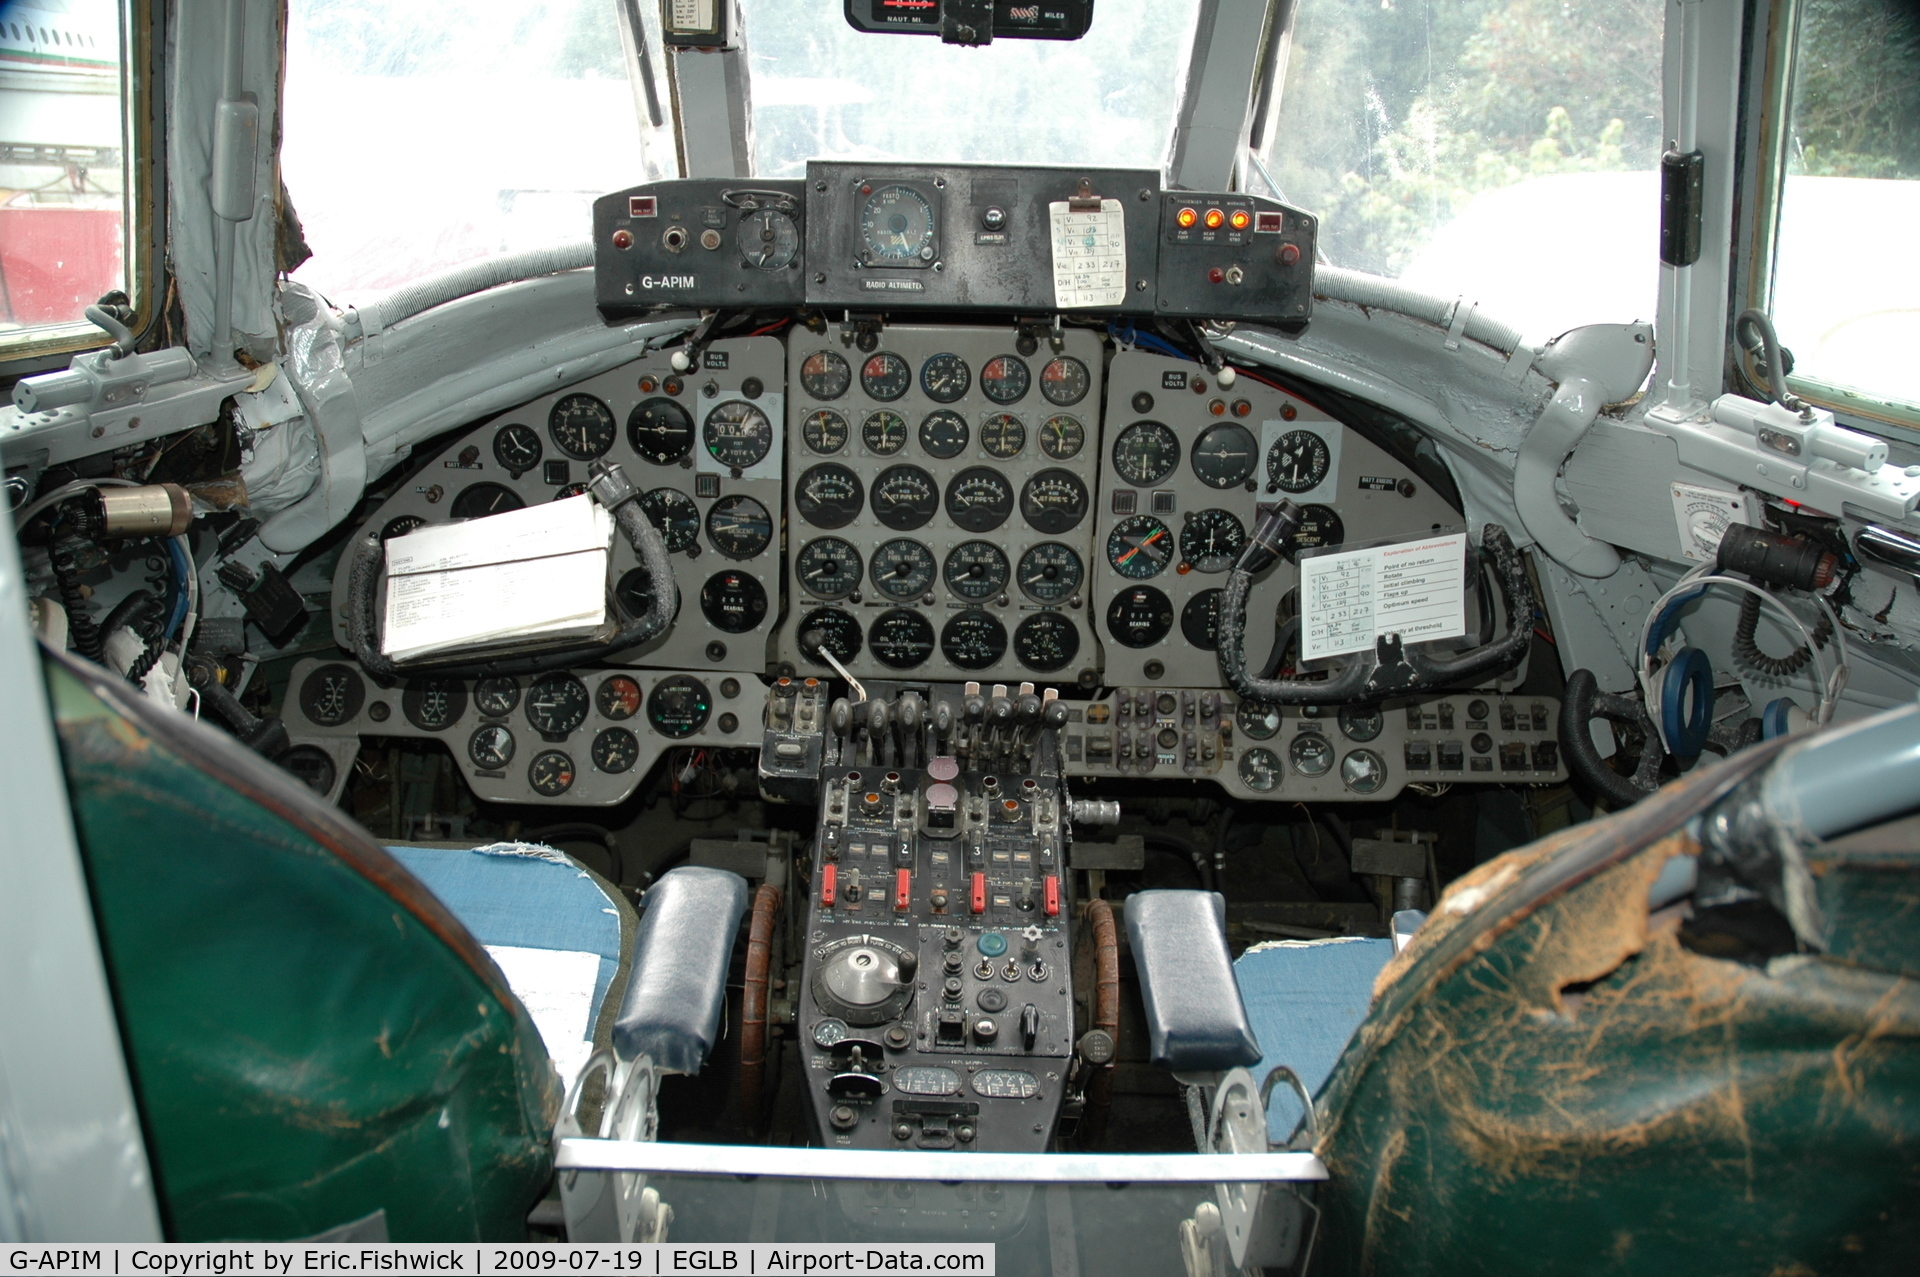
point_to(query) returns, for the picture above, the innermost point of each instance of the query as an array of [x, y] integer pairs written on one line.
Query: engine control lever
[[1029, 1026], [813, 645]]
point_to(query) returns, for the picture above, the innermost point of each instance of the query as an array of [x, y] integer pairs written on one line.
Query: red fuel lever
[[1051, 898], [979, 893], [902, 889], [829, 879]]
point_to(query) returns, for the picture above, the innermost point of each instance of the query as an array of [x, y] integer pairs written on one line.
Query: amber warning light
[[1240, 219], [1186, 217], [1214, 218]]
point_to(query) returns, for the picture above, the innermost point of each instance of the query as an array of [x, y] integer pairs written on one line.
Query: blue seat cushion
[[671, 1012], [1195, 1022], [1306, 999]]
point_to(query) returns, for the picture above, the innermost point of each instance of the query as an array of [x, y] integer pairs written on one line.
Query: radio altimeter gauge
[[1050, 572], [678, 706], [737, 434], [828, 495], [768, 240], [897, 228], [1297, 462], [582, 427], [828, 568], [660, 430], [1046, 641]]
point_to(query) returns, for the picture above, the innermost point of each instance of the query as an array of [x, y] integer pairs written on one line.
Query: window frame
[[143, 234]]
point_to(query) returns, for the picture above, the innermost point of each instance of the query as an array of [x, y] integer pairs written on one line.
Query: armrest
[[678, 986], [1196, 1022]]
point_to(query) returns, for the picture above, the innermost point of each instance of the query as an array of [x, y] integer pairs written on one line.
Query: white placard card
[[1416, 589]]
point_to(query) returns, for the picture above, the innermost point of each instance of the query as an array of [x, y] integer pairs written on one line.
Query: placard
[[1089, 255], [1416, 589]]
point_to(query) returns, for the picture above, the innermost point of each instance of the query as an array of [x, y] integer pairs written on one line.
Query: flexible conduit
[[1378, 293], [438, 290]]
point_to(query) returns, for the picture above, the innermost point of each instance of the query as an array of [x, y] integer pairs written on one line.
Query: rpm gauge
[[434, 704], [674, 513], [1145, 453], [900, 639], [976, 570], [1211, 540], [1062, 437], [1046, 641], [944, 434], [825, 375], [897, 227], [828, 568], [1053, 502], [1004, 379], [1224, 456], [556, 704], [733, 601], [884, 433], [1139, 617], [331, 695], [678, 706], [517, 449], [905, 497], [1065, 381], [828, 495], [1297, 462], [739, 527], [660, 430], [973, 639], [550, 774], [886, 377], [615, 750], [1050, 572], [737, 434], [1002, 436], [945, 378], [839, 632], [824, 431], [768, 239], [979, 499], [1139, 547], [903, 569], [582, 427]]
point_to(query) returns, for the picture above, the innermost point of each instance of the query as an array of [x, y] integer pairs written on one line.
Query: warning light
[[1214, 219], [1240, 219], [1186, 217]]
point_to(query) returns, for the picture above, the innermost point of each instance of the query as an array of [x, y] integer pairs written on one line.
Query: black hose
[[1747, 650], [138, 612], [87, 638], [1576, 741]]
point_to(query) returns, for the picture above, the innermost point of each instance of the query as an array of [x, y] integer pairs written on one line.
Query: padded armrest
[[1196, 1022], [678, 985]]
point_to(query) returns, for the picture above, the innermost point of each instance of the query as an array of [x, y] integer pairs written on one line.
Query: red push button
[[1051, 896], [979, 893], [829, 884], [1289, 254], [902, 889]]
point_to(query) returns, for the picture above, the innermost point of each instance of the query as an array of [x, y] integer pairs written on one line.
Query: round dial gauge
[[828, 495], [943, 434], [905, 497], [550, 773], [976, 570], [1062, 437], [1310, 754], [331, 695], [896, 225], [1297, 462], [828, 568], [1050, 572], [1065, 381], [737, 434], [903, 569], [490, 747], [1053, 502], [945, 378], [496, 697], [1003, 435], [739, 527], [570, 490], [615, 750], [556, 704], [484, 499], [1363, 771], [839, 632], [634, 593], [885, 376], [674, 513], [660, 430], [1139, 547], [517, 448], [979, 499], [733, 601], [434, 704], [1211, 540], [1258, 720], [312, 766], [900, 639], [582, 427], [678, 706], [400, 526], [827, 1031], [1145, 453], [1139, 617], [1225, 455], [1046, 641], [768, 240], [825, 375], [1260, 770], [617, 699], [1361, 722], [1320, 526], [824, 431], [1005, 378], [973, 639], [1200, 620], [884, 433]]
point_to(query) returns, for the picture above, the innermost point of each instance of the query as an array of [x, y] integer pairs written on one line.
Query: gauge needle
[[1136, 549]]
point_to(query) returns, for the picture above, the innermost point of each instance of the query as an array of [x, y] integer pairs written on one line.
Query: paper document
[[1416, 589], [538, 573], [556, 987], [1089, 255]]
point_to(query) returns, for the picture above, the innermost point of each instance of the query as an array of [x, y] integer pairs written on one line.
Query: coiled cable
[[1747, 650]]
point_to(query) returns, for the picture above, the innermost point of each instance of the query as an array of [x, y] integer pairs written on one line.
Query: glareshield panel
[[1502, 150], [1846, 275], [822, 90]]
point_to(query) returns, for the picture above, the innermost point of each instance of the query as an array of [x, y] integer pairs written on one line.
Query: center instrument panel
[[940, 476]]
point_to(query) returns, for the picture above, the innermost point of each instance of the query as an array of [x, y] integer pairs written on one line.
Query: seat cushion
[[671, 1012], [1306, 999], [1195, 1021]]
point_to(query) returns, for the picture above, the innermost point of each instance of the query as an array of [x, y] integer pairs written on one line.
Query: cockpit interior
[[1163, 636]]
